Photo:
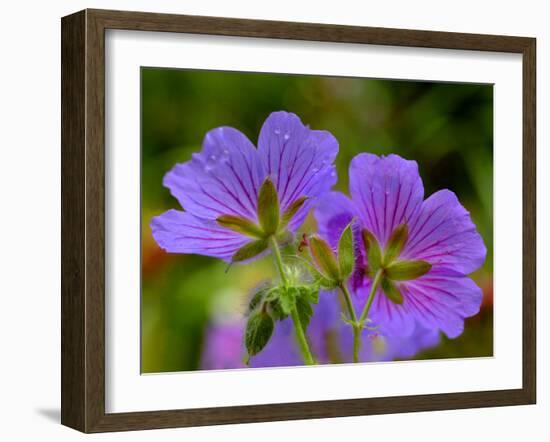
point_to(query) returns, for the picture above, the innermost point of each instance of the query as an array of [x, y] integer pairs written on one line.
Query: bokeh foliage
[[446, 127]]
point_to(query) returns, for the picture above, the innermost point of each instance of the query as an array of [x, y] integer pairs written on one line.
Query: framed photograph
[[266, 221]]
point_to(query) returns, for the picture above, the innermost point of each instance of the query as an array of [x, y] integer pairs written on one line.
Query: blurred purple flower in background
[[224, 179], [331, 342], [387, 198]]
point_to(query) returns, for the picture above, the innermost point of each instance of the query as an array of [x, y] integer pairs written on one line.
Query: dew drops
[[286, 136], [277, 131]]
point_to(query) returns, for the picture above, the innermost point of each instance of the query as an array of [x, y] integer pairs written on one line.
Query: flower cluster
[[385, 273]]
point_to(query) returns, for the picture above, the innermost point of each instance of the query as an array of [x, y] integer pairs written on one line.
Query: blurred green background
[[446, 127]]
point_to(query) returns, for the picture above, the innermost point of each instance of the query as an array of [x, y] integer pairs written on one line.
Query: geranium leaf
[[305, 311], [255, 301], [277, 310], [287, 299], [310, 293], [259, 329], [260, 295]]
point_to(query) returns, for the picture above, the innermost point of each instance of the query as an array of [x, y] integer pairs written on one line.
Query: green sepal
[[374, 253], [391, 291], [250, 250], [262, 297], [407, 270], [291, 211], [396, 242], [281, 300], [346, 258], [324, 258], [273, 301], [240, 225], [259, 329], [311, 293], [277, 310], [268, 207]]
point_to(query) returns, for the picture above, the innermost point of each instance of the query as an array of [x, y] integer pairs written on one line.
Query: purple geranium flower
[[331, 341], [425, 248], [224, 180]]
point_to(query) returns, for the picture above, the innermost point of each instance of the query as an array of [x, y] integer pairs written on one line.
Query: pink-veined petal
[[395, 319], [223, 179], [298, 160], [387, 191], [180, 232], [443, 234], [333, 213], [441, 300]]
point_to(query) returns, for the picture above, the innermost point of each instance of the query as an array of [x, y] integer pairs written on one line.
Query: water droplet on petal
[[287, 136], [277, 131], [225, 152]]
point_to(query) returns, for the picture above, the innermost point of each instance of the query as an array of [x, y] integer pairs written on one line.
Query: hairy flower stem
[[301, 338], [375, 283], [357, 327], [278, 259], [300, 333]]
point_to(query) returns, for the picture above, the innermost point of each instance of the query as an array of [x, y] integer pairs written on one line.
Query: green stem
[[300, 334], [301, 337], [278, 259], [375, 283], [356, 326]]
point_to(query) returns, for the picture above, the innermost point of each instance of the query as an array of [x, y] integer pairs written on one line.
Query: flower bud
[[324, 258], [346, 255]]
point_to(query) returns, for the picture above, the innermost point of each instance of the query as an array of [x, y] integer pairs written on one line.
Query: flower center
[[386, 261]]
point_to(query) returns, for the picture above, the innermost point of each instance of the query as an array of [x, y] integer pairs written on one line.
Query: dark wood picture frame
[[83, 220]]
